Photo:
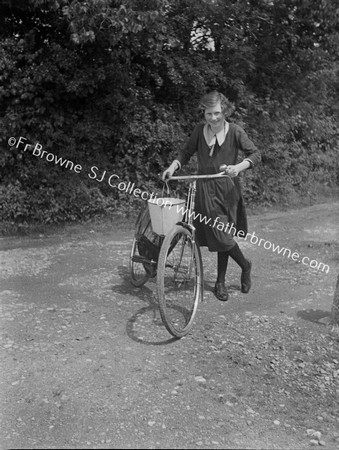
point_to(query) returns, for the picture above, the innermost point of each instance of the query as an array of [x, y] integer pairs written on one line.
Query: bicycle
[[177, 266]]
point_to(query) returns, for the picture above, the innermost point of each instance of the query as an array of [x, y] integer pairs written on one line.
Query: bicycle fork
[[188, 224]]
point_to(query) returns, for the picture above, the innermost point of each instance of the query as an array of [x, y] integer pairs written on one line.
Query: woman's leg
[[239, 257], [220, 290], [246, 266], [222, 266]]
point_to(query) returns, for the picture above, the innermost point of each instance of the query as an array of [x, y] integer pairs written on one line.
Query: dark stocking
[[222, 266], [239, 257]]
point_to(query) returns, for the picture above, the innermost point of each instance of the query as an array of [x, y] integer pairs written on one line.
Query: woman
[[217, 143]]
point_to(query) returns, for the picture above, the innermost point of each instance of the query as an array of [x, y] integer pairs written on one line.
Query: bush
[[115, 85]]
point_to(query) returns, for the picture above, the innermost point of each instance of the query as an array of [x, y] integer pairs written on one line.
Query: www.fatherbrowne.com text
[[251, 237]]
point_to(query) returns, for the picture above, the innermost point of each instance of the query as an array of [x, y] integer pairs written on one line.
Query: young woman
[[217, 143]]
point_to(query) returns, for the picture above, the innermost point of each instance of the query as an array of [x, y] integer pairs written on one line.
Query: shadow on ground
[[313, 315]]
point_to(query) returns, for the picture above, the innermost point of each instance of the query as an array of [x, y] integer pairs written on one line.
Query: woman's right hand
[[168, 173]]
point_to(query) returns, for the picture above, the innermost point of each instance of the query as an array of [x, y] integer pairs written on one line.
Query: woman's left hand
[[232, 171]]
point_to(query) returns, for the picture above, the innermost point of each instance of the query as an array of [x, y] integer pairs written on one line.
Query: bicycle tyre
[[138, 272], [179, 281]]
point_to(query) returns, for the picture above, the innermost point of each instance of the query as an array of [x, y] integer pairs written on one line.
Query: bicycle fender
[[188, 227]]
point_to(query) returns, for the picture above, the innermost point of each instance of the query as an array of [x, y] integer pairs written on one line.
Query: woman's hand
[[167, 174], [233, 171], [170, 171]]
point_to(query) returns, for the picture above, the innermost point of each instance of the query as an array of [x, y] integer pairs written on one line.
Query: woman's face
[[214, 116]]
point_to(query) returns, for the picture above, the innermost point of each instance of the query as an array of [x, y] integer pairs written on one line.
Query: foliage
[[115, 83]]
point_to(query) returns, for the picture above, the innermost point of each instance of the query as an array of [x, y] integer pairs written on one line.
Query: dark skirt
[[220, 213]]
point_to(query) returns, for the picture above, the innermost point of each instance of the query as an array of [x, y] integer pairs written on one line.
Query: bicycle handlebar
[[198, 177]]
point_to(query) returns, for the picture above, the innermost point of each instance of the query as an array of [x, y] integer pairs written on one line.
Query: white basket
[[165, 213]]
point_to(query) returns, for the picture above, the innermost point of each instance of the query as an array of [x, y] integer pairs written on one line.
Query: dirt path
[[86, 362]]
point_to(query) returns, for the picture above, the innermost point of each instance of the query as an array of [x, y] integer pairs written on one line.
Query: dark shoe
[[220, 291], [246, 279]]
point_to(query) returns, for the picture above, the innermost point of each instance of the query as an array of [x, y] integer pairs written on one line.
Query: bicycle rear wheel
[[145, 249], [179, 281]]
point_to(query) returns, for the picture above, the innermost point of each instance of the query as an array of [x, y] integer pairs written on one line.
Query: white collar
[[211, 138]]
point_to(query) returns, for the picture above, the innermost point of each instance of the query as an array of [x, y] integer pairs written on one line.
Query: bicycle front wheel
[[179, 281]]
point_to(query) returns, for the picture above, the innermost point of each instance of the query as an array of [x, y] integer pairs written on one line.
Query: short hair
[[212, 98]]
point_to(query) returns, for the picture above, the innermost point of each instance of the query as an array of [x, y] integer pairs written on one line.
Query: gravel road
[[87, 363]]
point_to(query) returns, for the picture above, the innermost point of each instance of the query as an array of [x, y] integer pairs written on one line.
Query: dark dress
[[221, 197]]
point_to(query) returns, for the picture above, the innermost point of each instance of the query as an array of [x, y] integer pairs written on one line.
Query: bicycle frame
[[142, 265], [190, 203]]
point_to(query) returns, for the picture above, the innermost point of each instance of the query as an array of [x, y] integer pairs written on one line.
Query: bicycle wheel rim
[[138, 272], [179, 281]]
